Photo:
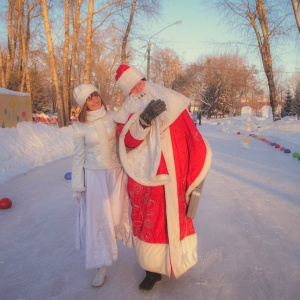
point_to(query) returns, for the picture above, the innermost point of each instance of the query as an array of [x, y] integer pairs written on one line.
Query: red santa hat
[[83, 91], [127, 77]]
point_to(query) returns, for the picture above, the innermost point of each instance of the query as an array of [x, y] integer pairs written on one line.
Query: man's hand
[[152, 110]]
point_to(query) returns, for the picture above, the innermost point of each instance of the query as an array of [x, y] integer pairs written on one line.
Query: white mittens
[[77, 195]]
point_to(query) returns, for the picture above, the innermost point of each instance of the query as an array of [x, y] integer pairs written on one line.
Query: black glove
[[152, 110]]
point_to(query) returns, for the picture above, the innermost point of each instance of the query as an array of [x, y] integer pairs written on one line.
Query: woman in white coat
[[98, 183]]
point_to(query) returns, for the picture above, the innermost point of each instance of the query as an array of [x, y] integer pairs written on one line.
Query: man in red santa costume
[[165, 158]]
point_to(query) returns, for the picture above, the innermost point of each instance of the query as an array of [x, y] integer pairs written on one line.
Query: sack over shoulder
[[194, 201]]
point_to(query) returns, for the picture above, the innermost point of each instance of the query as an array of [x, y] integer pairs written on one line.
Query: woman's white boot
[[100, 276]]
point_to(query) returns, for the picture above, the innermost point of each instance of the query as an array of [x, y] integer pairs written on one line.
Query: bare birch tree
[[165, 67], [21, 48], [11, 33], [295, 4], [256, 16], [66, 99], [261, 30], [25, 39], [15, 59], [88, 42], [135, 12], [2, 75], [76, 26], [53, 64], [124, 56]]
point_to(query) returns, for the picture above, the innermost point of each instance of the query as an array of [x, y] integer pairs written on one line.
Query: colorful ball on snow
[[287, 151], [296, 154], [277, 146], [5, 203], [68, 176], [282, 148]]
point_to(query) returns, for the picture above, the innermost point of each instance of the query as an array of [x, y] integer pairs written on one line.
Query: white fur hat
[[127, 77], [82, 92]]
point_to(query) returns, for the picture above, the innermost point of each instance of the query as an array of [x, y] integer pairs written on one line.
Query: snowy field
[[247, 222]]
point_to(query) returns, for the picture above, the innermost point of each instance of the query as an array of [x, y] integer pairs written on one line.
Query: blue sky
[[202, 33]]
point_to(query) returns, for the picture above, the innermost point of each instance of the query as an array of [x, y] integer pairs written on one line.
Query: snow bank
[[30, 145]]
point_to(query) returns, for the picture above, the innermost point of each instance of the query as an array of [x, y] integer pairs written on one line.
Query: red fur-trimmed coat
[[164, 236]]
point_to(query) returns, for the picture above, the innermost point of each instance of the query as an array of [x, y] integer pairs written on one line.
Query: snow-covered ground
[[247, 222]]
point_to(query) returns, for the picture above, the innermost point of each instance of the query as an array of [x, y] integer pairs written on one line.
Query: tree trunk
[[88, 43], [25, 44], [66, 98], [11, 48], [76, 27], [295, 4], [53, 64], [124, 56], [89, 38], [264, 48], [18, 69], [2, 76]]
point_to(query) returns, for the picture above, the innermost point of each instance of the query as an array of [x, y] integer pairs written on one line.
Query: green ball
[[296, 154]]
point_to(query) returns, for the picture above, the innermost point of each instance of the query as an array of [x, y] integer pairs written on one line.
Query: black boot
[[149, 281]]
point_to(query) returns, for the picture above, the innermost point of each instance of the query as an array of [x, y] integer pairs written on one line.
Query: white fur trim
[[204, 171], [138, 132], [129, 79], [177, 259], [156, 257], [153, 257], [136, 166], [171, 197]]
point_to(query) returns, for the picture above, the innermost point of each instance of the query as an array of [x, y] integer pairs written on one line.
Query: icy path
[[248, 224]]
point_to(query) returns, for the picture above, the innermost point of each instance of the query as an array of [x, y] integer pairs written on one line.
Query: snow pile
[[288, 128], [30, 145], [285, 133]]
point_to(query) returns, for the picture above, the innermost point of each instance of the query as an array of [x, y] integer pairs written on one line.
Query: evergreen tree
[[296, 102], [287, 109], [39, 100], [223, 104]]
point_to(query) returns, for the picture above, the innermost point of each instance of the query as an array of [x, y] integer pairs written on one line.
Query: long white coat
[[94, 148], [103, 207]]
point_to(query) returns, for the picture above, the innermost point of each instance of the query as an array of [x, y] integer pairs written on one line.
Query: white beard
[[136, 103]]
